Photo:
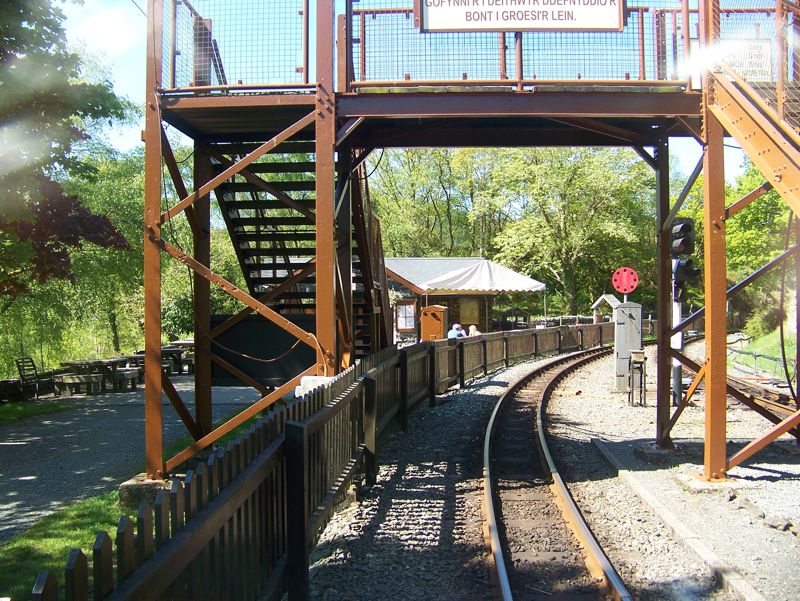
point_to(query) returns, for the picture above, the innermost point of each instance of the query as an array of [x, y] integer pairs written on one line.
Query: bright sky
[[113, 31]]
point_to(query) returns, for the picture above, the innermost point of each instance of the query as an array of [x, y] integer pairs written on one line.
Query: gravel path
[[50, 461], [417, 533], [747, 522]]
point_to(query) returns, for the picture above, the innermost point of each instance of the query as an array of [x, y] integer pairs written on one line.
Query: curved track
[[541, 546]]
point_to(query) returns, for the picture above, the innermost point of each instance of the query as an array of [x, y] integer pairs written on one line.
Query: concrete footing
[[655, 455], [138, 489]]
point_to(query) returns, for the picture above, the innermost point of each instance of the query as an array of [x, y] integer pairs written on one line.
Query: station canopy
[[482, 276]]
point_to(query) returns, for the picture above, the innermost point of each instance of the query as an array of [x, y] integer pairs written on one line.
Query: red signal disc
[[625, 280]]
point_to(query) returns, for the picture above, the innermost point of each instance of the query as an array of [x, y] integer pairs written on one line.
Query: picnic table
[[109, 370], [186, 344], [171, 354]]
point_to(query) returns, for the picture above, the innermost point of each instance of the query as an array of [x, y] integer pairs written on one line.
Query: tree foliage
[[567, 217], [753, 236], [46, 106], [584, 212]]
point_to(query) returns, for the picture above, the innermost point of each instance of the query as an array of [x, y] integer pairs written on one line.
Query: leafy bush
[[762, 322]]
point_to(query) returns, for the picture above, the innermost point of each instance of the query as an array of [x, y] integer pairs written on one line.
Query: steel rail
[[595, 554], [594, 551]]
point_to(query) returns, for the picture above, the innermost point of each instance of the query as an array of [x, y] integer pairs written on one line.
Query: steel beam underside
[[469, 119]]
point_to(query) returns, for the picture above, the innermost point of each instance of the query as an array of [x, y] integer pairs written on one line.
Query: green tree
[[46, 107], [423, 213], [490, 206], [754, 236], [583, 212], [108, 281]]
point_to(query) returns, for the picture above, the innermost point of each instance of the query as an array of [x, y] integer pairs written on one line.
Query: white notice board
[[519, 15]]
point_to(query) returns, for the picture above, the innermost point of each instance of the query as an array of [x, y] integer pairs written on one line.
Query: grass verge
[[12, 412], [766, 347], [47, 543]]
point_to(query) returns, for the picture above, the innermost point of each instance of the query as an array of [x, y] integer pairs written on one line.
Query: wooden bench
[[73, 383], [124, 377]]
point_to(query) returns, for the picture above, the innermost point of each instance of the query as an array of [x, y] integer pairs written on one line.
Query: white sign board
[[750, 58], [520, 15]]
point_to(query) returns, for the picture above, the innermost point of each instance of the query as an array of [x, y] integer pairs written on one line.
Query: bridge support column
[[325, 128], [715, 270], [663, 298], [344, 258], [202, 294], [152, 250]]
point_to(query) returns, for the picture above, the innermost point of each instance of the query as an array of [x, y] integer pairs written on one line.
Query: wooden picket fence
[[241, 524]]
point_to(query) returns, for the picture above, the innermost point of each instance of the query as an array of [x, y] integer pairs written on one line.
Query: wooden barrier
[[240, 525]]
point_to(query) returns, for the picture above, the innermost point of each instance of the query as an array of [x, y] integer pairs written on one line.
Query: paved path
[[52, 460]]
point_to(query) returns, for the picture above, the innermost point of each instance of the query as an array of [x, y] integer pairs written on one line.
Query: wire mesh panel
[[748, 39], [758, 43], [388, 47], [233, 42]]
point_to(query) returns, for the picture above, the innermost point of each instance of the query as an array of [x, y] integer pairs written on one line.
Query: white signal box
[[627, 337]]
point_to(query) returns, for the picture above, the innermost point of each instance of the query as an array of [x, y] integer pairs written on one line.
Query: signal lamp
[[682, 234]]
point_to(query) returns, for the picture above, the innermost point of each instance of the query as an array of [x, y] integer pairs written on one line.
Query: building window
[[405, 317]]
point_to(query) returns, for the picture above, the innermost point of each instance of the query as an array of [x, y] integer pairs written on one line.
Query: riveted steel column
[[663, 298], [202, 295], [152, 252], [797, 317], [344, 233], [325, 127], [716, 300], [715, 268]]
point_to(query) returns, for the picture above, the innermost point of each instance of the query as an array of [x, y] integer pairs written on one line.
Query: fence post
[[600, 331], [580, 336], [506, 346], [535, 344], [558, 331], [370, 429], [460, 363], [485, 346], [297, 511], [45, 588], [432, 375], [403, 412]]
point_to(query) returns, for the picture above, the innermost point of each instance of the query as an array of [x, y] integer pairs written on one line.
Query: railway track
[[541, 546]]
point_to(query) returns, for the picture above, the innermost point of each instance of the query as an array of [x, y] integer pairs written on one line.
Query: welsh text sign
[[520, 15]]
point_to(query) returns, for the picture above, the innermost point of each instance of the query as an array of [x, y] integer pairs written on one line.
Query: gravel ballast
[[417, 534]]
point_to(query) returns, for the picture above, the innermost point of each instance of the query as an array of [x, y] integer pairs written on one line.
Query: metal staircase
[[269, 214]]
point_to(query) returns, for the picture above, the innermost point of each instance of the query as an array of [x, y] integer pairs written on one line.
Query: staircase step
[[278, 236], [283, 186], [280, 253], [276, 266], [268, 204], [290, 147], [269, 221], [294, 306], [283, 167], [274, 281]]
